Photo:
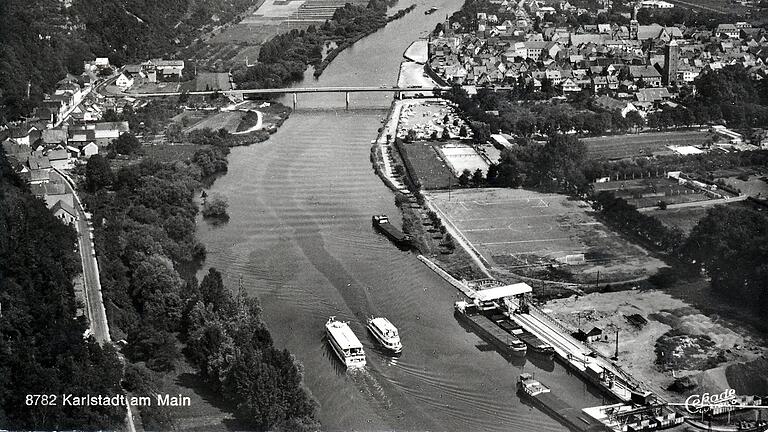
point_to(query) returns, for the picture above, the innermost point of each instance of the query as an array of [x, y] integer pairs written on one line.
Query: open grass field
[[528, 233], [227, 120], [432, 171], [684, 218], [171, 153], [644, 144]]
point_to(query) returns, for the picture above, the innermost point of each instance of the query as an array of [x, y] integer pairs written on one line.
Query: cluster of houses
[[34, 152], [150, 71], [624, 60]]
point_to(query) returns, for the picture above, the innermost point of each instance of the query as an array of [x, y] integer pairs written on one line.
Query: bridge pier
[[346, 100], [294, 101]]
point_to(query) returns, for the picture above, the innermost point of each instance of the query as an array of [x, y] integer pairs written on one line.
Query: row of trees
[[42, 349], [625, 218], [501, 111], [555, 166]]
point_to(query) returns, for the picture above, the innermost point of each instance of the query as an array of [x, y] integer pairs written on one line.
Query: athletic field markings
[[526, 241]]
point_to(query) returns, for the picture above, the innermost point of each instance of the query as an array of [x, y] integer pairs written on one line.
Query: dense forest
[[42, 349], [40, 40], [731, 245], [144, 215]]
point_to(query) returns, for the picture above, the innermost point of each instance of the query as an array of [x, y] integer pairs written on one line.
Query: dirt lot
[[692, 341], [531, 234], [644, 144]]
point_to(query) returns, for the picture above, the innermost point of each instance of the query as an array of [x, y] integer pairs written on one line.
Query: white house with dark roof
[[65, 212]]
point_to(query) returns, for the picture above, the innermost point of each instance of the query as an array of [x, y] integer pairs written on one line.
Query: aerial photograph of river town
[[384, 215]]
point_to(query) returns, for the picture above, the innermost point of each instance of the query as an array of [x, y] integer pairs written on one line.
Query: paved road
[[703, 203], [94, 302], [296, 90]]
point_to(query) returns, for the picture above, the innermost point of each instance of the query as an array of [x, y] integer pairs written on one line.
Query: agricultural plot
[[638, 145], [226, 120], [545, 236], [431, 170], [647, 192]]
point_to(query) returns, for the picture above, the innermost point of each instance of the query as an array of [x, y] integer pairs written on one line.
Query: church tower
[[634, 25], [671, 62]]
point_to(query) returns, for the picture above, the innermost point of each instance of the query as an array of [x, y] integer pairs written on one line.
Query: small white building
[[89, 150], [124, 81]]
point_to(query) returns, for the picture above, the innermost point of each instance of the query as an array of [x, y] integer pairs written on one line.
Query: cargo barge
[[543, 398], [507, 343], [535, 345], [382, 224]]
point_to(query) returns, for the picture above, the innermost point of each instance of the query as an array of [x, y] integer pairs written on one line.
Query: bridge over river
[[416, 90]]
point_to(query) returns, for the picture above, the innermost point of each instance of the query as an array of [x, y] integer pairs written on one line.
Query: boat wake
[[370, 387]]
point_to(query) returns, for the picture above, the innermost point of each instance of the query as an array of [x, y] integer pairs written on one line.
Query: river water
[[300, 238]]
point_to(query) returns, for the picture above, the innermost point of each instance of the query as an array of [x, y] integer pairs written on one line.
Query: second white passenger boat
[[385, 333], [344, 343]]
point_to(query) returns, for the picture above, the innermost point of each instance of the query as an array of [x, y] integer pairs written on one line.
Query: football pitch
[[526, 232]]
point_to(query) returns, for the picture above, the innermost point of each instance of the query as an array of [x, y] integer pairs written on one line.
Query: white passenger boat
[[344, 343], [385, 333]]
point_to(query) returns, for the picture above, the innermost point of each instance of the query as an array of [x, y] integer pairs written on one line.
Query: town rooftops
[[645, 71], [610, 104], [50, 188], [54, 136], [39, 162], [61, 205], [652, 94], [13, 148]]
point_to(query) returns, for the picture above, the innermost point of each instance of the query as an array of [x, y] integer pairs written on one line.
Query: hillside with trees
[[42, 41], [42, 349]]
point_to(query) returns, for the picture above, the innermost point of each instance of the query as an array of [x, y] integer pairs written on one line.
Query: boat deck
[[571, 417]]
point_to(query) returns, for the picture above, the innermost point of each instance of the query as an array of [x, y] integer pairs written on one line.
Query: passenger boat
[[385, 333], [344, 343]]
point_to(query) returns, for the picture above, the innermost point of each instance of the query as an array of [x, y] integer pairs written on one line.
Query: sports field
[[644, 144], [534, 234]]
